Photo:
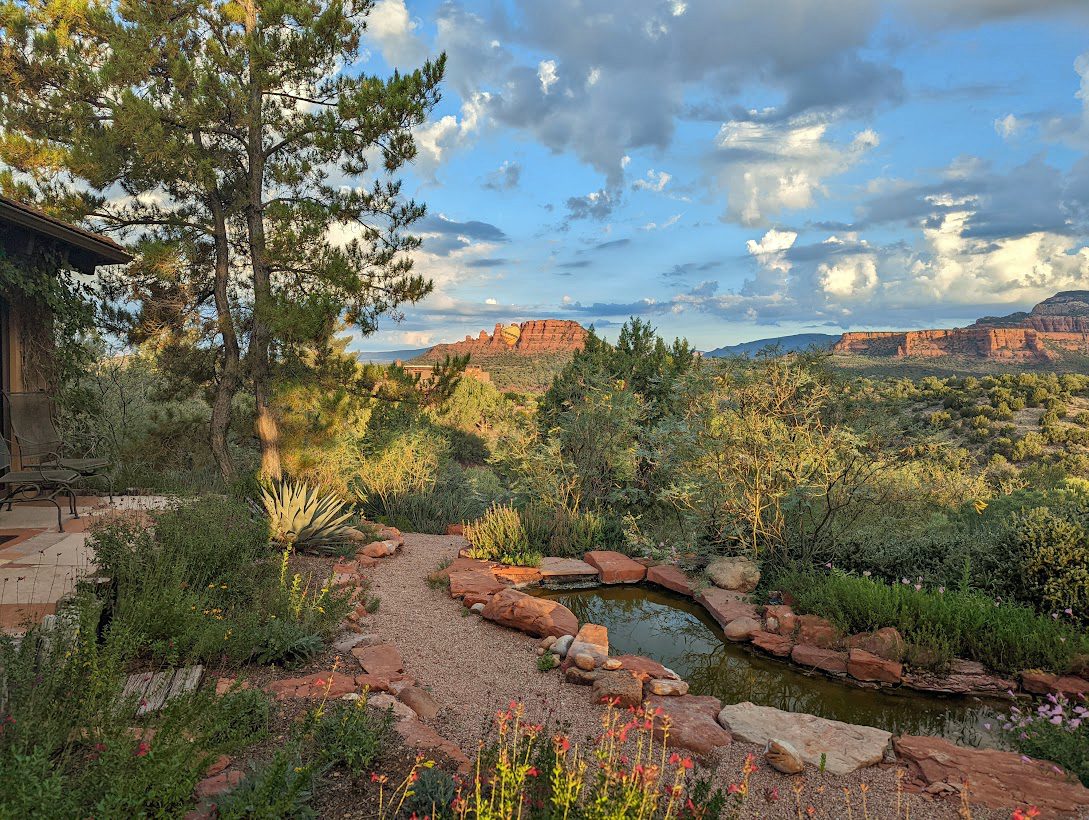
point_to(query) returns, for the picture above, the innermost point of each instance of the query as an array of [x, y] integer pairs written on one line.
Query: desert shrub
[[350, 735], [203, 584], [1056, 730], [458, 494], [1050, 549], [432, 795], [499, 535], [281, 787], [1006, 637]]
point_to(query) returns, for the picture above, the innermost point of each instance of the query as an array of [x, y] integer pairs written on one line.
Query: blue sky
[[737, 169]]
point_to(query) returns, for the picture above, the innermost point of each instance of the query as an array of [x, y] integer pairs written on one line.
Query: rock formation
[[1055, 326], [527, 339]]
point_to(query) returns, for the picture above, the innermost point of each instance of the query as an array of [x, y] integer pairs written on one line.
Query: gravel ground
[[475, 668]]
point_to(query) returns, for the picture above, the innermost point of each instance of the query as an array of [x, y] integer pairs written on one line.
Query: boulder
[[997, 780], [534, 616], [737, 573], [419, 700], [885, 643], [381, 659], [376, 549], [828, 660], [844, 747], [615, 568], [777, 645], [668, 576], [783, 757], [644, 668], [785, 619], [817, 631], [621, 685], [1044, 683], [218, 784], [691, 721], [592, 640], [558, 571], [866, 666], [478, 607], [667, 688], [725, 606], [741, 629], [478, 582]]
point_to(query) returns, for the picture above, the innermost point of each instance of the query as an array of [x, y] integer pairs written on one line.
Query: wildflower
[[918, 587], [532, 771], [941, 590], [142, 748], [866, 573]]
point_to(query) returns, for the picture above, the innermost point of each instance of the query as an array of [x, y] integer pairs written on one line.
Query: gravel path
[[474, 668]]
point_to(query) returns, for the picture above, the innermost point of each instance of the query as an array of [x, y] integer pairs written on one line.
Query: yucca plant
[[303, 517]]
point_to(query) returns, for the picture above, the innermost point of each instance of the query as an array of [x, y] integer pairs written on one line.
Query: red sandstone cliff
[[527, 339], [1060, 323]]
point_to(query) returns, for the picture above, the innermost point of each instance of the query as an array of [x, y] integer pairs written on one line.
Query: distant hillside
[[390, 356], [786, 344]]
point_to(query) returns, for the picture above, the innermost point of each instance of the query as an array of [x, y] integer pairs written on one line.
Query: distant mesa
[[1055, 327], [781, 344], [527, 339]]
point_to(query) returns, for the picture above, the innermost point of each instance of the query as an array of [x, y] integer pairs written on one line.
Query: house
[[33, 243]]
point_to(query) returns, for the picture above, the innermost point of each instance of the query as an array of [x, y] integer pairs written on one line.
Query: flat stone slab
[[668, 576], [565, 571], [379, 659], [691, 722], [845, 747], [615, 568], [998, 780], [726, 606]]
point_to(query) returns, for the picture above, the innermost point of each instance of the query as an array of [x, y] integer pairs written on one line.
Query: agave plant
[[304, 517]]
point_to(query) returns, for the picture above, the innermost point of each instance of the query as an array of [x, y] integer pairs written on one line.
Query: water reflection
[[679, 633]]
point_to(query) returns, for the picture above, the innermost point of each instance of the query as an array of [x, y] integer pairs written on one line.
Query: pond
[[678, 633]]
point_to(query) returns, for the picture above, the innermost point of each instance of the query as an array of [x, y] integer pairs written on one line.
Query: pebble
[[477, 608], [612, 664], [561, 645], [585, 661]]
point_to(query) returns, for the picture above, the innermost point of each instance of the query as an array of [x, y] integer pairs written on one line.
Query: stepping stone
[[381, 659], [615, 568], [843, 746], [566, 571], [692, 723], [668, 576]]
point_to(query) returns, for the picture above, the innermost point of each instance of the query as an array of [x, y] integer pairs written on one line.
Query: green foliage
[[547, 662], [303, 517], [1057, 730], [431, 795], [281, 787], [499, 535], [946, 623], [350, 735]]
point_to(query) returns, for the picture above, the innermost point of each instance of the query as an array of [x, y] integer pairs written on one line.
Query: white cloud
[[669, 223], [434, 140], [391, 28], [769, 251], [655, 181], [593, 76], [678, 7], [1008, 126], [546, 73], [766, 168], [491, 301]]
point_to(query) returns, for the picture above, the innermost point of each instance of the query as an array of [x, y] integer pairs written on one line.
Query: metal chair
[[37, 484], [34, 428]]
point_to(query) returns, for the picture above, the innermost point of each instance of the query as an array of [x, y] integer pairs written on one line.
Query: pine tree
[[238, 143]]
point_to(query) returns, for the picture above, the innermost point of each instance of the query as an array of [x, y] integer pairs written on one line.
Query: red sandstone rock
[[885, 643], [726, 606], [480, 583], [420, 701], [381, 659], [692, 722], [220, 764], [998, 780], [528, 339], [365, 561], [778, 645], [786, 620], [218, 784], [816, 631], [517, 576], [423, 737], [621, 686], [668, 576], [372, 683], [317, 685], [820, 658], [592, 640], [566, 570], [534, 616], [644, 668], [741, 629], [1044, 683], [866, 666], [455, 529], [614, 568]]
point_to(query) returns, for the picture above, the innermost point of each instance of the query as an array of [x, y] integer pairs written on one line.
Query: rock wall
[[1060, 323], [527, 339]]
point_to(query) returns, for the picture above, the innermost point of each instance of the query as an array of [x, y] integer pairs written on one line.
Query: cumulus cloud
[[546, 74], [436, 139], [390, 27], [504, 178], [655, 181], [596, 205], [766, 168], [1008, 126]]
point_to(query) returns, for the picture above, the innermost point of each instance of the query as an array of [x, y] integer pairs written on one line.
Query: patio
[[39, 565]]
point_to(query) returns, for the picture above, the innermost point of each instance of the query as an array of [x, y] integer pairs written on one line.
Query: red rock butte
[[1055, 326], [527, 339]]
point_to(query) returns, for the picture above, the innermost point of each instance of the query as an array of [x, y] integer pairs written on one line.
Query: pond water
[[678, 633]]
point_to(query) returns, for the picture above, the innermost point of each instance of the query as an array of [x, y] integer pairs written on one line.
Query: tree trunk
[[267, 426], [230, 376]]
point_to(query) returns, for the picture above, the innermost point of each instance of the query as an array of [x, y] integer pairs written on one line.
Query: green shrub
[[350, 735], [943, 623], [1050, 548], [499, 535], [282, 787], [1057, 730], [432, 794]]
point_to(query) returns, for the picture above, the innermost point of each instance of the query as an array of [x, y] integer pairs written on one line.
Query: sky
[[741, 169]]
